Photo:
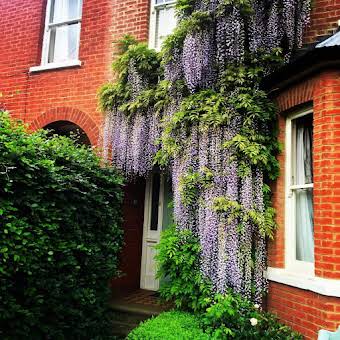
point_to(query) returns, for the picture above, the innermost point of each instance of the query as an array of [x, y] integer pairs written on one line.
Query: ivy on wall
[[198, 110]]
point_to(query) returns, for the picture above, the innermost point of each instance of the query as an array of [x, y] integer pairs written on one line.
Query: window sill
[[55, 66], [327, 287]]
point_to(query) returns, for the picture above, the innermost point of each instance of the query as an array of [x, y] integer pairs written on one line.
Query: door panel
[[133, 215], [157, 217]]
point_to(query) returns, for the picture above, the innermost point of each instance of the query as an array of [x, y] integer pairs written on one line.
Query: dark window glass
[[156, 181]]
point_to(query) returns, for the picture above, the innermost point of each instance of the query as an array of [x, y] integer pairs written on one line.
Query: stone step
[[124, 322]]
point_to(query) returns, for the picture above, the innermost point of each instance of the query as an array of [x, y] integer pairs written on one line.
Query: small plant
[[232, 316]]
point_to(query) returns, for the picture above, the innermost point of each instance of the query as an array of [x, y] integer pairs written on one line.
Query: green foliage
[[232, 317], [184, 7], [173, 325], [191, 182], [112, 95], [227, 316], [255, 150], [156, 97], [125, 42], [245, 6], [207, 107], [147, 62], [59, 236], [178, 260], [148, 65], [265, 221], [193, 23]]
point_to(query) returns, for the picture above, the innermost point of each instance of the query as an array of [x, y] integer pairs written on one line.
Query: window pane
[[168, 205], [304, 225], [156, 181], [63, 10], [64, 42], [304, 149], [165, 24], [159, 2]]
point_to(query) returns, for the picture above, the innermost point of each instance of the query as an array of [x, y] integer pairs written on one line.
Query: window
[[62, 31], [163, 21], [156, 182], [299, 192]]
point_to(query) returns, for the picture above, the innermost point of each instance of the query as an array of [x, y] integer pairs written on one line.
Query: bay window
[[299, 194]]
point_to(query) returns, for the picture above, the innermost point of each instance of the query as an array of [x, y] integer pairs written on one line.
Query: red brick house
[[55, 54]]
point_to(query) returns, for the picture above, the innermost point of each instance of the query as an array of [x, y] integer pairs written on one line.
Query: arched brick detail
[[296, 95], [75, 116]]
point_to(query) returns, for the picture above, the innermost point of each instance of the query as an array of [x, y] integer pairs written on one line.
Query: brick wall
[[305, 311], [324, 19], [44, 97]]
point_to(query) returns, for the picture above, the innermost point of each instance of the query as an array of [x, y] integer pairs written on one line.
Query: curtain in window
[[304, 197], [64, 39]]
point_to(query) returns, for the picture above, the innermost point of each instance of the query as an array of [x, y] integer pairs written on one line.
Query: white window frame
[[45, 65], [301, 268], [153, 20]]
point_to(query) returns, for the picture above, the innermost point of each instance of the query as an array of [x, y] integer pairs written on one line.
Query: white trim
[[302, 186], [147, 208], [66, 22], [327, 287], [47, 33], [52, 66], [292, 264]]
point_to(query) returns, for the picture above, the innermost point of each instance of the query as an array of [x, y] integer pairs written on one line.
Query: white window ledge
[[53, 66], [327, 287]]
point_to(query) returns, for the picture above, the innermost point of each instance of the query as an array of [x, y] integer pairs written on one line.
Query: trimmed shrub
[[60, 215], [174, 325]]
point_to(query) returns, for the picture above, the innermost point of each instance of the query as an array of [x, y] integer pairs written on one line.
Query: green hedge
[[59, 237], [174, 325]]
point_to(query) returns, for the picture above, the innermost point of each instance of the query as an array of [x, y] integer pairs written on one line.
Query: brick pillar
[[327, 176]]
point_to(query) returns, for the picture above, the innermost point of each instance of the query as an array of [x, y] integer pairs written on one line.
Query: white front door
[[153, 220]]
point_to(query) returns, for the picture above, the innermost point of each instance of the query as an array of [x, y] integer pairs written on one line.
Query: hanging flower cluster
[[201, 113], [132, 126]]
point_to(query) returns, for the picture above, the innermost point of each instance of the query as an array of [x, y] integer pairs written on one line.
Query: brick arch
[[80, 118], [296, 95]]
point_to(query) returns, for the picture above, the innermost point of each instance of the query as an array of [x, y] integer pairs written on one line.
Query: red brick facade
[[70, 94], [44, 97]]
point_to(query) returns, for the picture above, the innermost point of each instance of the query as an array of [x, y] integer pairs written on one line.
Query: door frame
[[151, 235]]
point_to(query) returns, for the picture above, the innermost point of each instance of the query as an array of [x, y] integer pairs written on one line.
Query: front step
[[124, 322], [133, 308]]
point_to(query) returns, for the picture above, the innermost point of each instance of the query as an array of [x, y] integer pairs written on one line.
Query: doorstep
[[143, 302]]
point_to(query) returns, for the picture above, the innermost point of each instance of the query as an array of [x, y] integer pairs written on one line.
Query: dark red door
[[133, 213]]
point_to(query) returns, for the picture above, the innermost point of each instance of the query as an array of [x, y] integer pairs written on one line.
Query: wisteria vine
[[198, 110]]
